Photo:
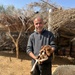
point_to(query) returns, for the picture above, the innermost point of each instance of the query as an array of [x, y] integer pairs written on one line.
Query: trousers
[[42, 69]]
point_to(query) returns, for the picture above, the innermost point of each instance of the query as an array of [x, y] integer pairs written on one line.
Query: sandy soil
[[10, 65]]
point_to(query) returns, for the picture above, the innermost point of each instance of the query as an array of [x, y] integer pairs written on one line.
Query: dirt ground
[[10, 65]]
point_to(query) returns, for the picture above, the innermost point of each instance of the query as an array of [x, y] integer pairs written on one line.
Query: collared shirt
[[36, 40]]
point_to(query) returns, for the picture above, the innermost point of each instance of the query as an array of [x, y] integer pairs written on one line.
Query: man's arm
[[30, 48], [32, 55], [52, 43]]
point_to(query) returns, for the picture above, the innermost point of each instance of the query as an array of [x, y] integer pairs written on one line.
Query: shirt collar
[[41, 31]]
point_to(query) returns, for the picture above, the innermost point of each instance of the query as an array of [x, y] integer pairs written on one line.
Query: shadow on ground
[[22, 55], [58, 60], [63, 60]]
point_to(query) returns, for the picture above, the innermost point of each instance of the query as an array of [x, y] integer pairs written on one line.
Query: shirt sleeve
[[29, 45], [52, 41]]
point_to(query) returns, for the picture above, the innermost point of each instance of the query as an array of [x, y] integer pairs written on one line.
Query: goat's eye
[[48, 50], [43, 53]]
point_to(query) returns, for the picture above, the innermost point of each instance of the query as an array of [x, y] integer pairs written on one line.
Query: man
[[38, 38]]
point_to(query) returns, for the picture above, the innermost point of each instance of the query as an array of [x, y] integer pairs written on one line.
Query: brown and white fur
[[43, 55]]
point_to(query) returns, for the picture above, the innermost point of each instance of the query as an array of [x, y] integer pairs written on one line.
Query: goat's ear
[[42, 47], [48, 52]]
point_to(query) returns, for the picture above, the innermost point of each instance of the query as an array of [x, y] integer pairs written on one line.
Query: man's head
[[38, 23]]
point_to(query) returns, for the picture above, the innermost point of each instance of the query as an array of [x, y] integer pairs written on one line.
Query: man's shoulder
[[32, 34], [48, 31]]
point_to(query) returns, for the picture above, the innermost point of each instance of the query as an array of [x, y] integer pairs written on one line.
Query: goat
[[43, 55], [65, 70]]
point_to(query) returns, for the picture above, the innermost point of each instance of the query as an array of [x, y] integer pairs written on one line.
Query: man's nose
[[38, 24]]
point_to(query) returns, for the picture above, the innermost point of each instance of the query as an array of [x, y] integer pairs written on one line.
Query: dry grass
[[10, 65]]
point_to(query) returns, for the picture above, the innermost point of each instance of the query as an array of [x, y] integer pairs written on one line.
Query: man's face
[[38, 23]]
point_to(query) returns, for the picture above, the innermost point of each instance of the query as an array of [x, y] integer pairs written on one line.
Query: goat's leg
[[36, 63], [34, 66]]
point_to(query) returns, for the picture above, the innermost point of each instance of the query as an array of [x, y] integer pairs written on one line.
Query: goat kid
[[44, 53]]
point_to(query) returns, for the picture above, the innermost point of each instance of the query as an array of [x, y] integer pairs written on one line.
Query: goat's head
[[46, 49]]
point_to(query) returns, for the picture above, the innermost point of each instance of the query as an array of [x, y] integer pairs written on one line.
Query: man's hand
[[32, 56]]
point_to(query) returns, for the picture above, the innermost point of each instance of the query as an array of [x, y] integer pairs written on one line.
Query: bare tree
[[17, 23]]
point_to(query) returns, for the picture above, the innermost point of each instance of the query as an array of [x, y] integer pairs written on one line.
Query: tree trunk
[[17, 49]]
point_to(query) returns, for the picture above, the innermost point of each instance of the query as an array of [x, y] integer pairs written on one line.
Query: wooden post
[[49, 20]]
